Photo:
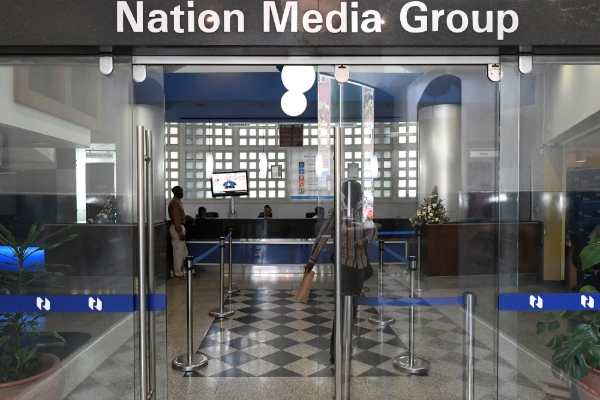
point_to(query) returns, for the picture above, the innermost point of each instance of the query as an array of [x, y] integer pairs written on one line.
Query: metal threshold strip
[[314, 60]]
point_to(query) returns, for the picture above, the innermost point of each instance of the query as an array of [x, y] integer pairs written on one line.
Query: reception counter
[[285, 241]]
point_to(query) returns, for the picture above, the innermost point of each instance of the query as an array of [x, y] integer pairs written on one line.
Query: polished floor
[[276, 348], [263, 353]]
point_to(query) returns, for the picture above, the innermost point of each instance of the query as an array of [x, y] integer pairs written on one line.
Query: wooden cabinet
[[473, 249]]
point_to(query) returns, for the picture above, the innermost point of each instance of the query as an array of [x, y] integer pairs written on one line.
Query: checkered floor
[[272, 335]]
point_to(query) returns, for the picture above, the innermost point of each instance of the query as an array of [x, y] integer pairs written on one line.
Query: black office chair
[[212, 215], [310, 215], [589, 276]]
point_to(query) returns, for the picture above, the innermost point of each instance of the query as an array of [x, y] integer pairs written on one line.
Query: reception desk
[[284, 241]]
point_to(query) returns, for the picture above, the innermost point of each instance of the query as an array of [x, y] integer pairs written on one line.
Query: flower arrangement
[[431, 211], [108, 214]]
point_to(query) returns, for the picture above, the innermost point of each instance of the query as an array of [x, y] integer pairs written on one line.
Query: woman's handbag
[[304, 288]]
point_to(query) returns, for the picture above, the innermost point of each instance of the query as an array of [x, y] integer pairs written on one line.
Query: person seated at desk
[[201, 213], [319, 212], [266, 213]]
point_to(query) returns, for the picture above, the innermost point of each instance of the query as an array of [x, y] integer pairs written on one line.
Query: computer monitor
[[232, 183]]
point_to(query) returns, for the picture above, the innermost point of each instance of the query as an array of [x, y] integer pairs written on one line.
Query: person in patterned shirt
[[356, 235]]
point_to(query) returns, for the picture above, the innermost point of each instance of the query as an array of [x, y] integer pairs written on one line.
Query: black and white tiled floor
[[278, 340], [272, 335]]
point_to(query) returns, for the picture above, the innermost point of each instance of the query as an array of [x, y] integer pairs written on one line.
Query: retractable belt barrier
[[391, 252], [209, 251], [396, 233]]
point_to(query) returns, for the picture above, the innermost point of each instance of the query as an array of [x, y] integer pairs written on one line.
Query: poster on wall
[[302, 180]]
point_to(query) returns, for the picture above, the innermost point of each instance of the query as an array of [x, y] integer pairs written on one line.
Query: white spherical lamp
[[298, 78], [293, 103]]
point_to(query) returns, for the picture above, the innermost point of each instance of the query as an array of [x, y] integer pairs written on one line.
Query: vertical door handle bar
[[337, 192], [150, 260], [141, 206]]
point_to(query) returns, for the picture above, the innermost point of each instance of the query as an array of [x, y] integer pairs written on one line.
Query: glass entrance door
[[67, 208], [421, 144]]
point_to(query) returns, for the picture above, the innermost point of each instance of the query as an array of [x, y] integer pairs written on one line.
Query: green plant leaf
[[542, 327], [549, 317], [569, 314], [590, 256], [595, 240], [588, 289], [553, 325]]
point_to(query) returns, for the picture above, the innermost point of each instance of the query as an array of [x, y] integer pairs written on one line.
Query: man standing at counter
[[177, 230], [356, 235]]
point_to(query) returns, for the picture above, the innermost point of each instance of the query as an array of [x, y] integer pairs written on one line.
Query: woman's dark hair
[[200, 209]]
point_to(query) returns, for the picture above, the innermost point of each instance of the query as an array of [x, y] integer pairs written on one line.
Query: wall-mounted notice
[[302, 179]]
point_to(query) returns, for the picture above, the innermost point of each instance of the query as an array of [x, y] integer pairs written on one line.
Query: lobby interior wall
[[478, 127]]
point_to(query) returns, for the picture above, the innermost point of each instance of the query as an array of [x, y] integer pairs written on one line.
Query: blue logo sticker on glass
[[301, 171]]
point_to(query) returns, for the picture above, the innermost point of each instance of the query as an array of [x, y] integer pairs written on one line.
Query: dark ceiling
[[256, 96]]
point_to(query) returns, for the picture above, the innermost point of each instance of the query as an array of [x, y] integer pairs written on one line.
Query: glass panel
[[549, 190], [447, 110], [67, 166]]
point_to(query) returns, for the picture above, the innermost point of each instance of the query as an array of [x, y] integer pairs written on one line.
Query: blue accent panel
[[405, 302], [80, 303], [157, 302], [548, 301], [66, 303], [35, 258]]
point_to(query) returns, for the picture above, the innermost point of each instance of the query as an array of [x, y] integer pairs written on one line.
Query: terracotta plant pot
[[588, 387], [47, 383]]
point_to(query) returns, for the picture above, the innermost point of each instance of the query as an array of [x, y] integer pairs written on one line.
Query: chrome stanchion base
[[216, 313], [419, 366], [181, 363], [366, 289], [381, 320], [234, 289]]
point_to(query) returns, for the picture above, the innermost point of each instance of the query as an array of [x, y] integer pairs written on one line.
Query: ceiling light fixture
[[297, 79], [581, 156], [293, 103]]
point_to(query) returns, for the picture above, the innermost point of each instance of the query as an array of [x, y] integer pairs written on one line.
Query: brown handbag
[[304, 288]]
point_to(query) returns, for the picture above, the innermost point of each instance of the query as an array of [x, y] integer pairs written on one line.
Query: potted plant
[[577, 352], [21, 365]]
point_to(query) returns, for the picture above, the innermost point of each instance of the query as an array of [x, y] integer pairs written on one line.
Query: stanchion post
[[190, 361], [419, 288], [232, 289], [410, 363], [469, 301], [222, 312], [347, 345], [381, 319]]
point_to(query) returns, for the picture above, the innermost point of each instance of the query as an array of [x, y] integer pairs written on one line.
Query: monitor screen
[[233, 183]]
